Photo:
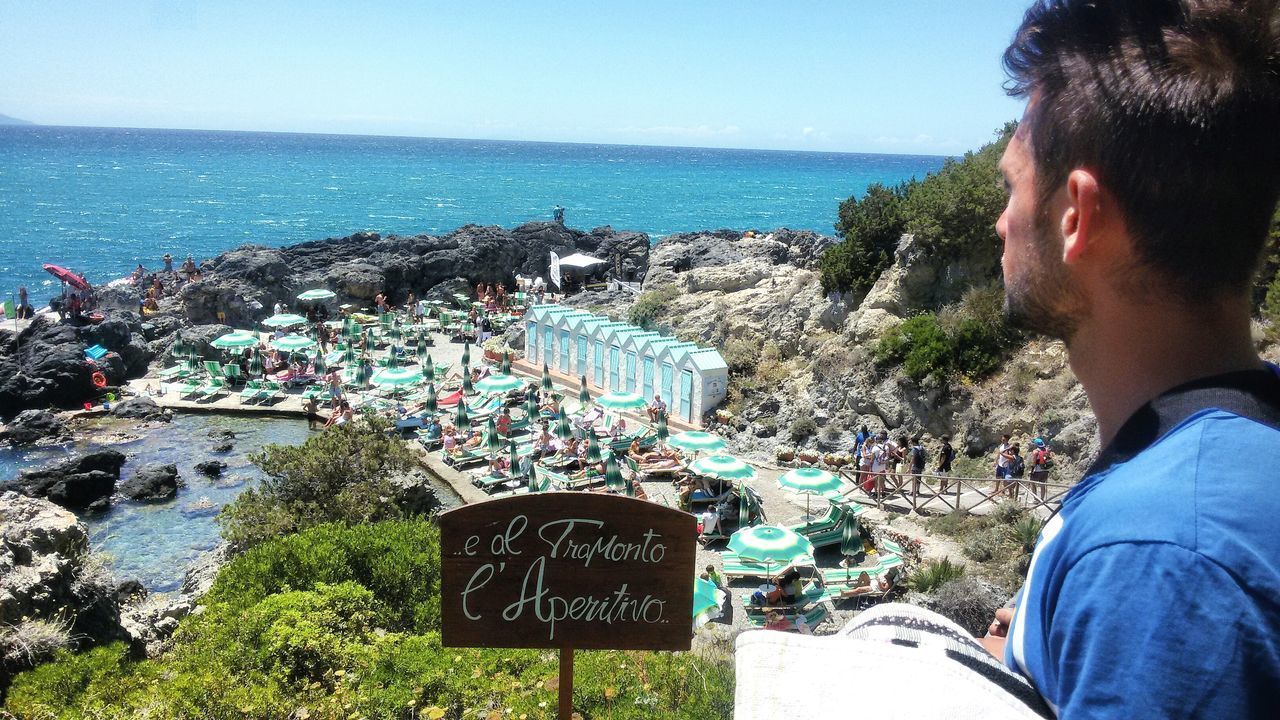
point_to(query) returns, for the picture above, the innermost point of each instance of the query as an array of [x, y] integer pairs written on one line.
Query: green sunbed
[[250, 391]]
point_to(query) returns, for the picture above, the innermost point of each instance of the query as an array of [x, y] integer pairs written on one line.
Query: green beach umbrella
[[352, 332], [396, 377], [563, 431], [593, 451], [292, 343], [498, 384], [744, 507], [423, 352], [662, 431], [707, 601], [696, 441], [506, 364], [349, 355], [584, 395], [385, 320], [395, 333], [255, 364], [810, 481], [318, 364], [612, 475], [364, 374], [461, 419], [393, 360], [235, 339], [428, 368], [531, 408], [514, 457], [466, 353], [467, 388], [770, 544], [850, 538], [546, 378], [725, 467], [316, 295], [370, 339], [284, 320], [430, 404], [534, 483], [492, 442], [618, 400]]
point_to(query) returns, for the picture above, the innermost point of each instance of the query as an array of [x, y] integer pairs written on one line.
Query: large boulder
[[140, 408], [43, 366], [32, 426], [153, 482], [77, 483], [48, 576]]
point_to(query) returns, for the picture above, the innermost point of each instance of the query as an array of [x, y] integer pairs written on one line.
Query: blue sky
[[920, 76]]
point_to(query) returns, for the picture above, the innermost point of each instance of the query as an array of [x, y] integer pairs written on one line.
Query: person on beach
[[1142, 181], [946, 455], [24, 309], [168, 262], [656, 409]]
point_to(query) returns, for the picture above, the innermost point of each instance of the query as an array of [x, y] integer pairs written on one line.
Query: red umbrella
[[67, 276]]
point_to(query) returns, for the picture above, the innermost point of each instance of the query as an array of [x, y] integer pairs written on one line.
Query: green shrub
[[398, 561], [965, 342], [954, 210], [1027, 532], [933, 575], [343, 475], [802, 428], [870, 228], [650, 306], [741, 355]]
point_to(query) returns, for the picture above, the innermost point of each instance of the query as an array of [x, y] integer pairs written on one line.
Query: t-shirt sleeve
[[1149, 630]]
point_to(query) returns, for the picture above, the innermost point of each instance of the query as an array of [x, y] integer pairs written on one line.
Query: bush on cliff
[[950, 211], [650, 306], [969, 339], [343, 622], [343, 475]]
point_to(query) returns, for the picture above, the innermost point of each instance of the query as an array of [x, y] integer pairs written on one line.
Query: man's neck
[[1128, 359]]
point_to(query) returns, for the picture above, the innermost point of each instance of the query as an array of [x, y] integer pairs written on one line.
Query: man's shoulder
[[1208, 486]]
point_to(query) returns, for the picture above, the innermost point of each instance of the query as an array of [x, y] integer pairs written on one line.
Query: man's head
[[1148, 120]]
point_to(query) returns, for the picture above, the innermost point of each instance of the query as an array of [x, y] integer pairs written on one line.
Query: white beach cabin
[[539, 333], [563, 328], [580, 338], [649, 350], [600, 338], [667, 359], [632, 380], [615, 364], [702, 383]]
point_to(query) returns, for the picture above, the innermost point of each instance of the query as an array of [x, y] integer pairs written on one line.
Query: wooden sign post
[[566, 571]]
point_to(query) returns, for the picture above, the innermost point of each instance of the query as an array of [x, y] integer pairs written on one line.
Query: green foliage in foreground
[[340, 475], [933, 575], [342, 622], [951, 211]]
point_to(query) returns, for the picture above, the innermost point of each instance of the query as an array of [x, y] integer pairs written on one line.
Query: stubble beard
[[1041, 297]]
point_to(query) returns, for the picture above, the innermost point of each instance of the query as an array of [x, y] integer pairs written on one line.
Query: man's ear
[[1081, 217]]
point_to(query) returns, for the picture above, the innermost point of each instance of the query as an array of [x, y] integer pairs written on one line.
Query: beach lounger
[[271, 390], [250, 392], [812, 616], [888, 566], [212, 368], [465, 457], [823, 531], [231, 372], [177, 372], [212, 388], [189, 387]]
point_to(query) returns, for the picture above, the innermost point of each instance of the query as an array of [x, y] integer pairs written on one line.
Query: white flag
[[555, 269]]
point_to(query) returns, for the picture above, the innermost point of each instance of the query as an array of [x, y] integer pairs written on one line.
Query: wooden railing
[[943, 494]]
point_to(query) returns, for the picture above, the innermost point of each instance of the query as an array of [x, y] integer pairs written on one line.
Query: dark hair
[[1174, 104]]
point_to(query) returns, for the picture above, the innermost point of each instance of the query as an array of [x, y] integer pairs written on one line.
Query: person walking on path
[[946, 454], [1142, 181], [1041, 463], [1003, 456]]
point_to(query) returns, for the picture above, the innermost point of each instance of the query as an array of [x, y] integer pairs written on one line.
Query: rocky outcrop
[[211, 468], [51, 587], [43, 366], [153, 482], [152, 619], [35, 426], [140, 408], [83, 482]]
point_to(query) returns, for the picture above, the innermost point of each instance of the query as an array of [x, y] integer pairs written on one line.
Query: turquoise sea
[[102, 200]]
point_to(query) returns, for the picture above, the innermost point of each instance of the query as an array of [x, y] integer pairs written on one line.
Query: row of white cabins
[[691, 379]]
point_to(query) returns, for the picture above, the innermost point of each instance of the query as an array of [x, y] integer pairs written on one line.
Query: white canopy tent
[[578, 260]]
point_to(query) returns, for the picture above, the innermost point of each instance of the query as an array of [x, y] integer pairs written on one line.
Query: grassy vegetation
[[931, 576], [650, 306], [966, 340], [343, 622], [999, 544], [765, 377]]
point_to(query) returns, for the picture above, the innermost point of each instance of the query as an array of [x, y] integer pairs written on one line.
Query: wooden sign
[[567, 570]]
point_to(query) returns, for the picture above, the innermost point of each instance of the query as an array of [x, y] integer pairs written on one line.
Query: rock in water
[[154, 482], [140, 408], [34, 426], [75, 483], [212, 468]]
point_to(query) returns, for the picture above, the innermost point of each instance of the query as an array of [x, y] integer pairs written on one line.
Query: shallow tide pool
[[155, 542]]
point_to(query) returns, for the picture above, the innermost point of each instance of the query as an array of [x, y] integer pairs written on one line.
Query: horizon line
[[31, 124]]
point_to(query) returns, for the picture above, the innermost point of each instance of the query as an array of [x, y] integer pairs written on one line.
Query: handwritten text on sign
[[567, 570]]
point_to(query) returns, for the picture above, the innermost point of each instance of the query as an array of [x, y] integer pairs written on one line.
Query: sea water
[[100, 201], [155, 542]]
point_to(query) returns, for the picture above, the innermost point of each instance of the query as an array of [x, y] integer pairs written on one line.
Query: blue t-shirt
[[1155, 591]]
